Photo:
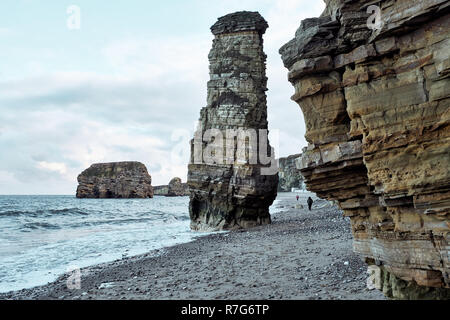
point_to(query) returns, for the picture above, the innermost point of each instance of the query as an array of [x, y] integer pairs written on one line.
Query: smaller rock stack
[[115, 180], [175, 188]]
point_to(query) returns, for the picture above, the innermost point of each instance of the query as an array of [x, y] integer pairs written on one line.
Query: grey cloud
[[177, 103]]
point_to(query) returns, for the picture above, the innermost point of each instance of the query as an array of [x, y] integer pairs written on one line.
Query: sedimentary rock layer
[[288, 174], [115, 180], [233, 191], [376, 101], [175, 188]]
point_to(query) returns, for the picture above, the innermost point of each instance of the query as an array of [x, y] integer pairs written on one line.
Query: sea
[[43, 237]]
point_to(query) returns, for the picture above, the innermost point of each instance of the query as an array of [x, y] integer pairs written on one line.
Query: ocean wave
[[45, 234], [67, 210], [183, 218], [16, 213], [41, 212], [155, 219], [39, 225]]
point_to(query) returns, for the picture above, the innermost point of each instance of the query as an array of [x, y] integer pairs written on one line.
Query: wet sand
[[301, 255]]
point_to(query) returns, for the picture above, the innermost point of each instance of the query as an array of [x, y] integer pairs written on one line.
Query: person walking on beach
[[310, 202], [297, 197]]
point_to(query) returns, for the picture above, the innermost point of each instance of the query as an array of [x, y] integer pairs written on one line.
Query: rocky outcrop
[[288, 174], [175, 188], [375, 94], [115, 180], [229, 189], [162, 190]]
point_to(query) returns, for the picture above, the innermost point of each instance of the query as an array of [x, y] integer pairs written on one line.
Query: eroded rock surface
[[376, 106], [235, 192], [288, 174], [175, 188], [115, 180]]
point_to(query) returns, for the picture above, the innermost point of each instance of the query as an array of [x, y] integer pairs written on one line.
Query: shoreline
[[46, 236], [301, 255]]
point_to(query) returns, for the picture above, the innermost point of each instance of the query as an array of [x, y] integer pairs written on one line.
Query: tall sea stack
[[373, 81], [231, 183]]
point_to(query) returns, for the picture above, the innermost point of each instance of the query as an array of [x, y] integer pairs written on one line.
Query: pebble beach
[[301, 255]]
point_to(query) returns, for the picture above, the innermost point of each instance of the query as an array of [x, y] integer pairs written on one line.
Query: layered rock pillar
[[232, 174], [374, 86]]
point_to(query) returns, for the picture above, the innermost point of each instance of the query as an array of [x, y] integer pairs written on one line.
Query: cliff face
[[228, 188], [376, 105], [175, 188], [288, 174], [115, 180]]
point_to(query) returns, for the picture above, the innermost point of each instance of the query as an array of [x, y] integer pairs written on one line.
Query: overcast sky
[[128, 85]]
